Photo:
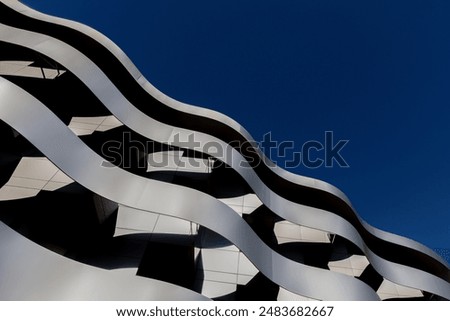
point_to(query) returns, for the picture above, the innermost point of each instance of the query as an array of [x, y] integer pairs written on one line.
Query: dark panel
[[169, 262], [259, 288], [371, 277]]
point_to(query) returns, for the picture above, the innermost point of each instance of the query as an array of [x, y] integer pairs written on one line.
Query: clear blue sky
[[375, 72]]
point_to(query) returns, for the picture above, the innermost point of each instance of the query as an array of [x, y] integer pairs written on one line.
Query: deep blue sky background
[[374, 72]]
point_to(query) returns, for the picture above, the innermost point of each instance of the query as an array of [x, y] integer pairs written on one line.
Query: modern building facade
[[111, 190]]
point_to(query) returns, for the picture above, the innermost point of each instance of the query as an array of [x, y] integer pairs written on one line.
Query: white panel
[[88, 120], [285, 230], [251, 200], [194, 165], [81, 132], [219, 276], [123, 231], [313, 235], [244, 279], [104, 128], [172, 225], [245, 266], [164, 160], [234, 202], [239, 200], [236, 208], [11, 67], [12, 193], [80, 125], [60, 177], [53, 186], [52, 73], [282, 240], [29, 72], [389, 290], [404, 291], [353, 265], [18, 63], [220, 261], [129, 218], [87, 125], [26, 182], [35, 168], [288, 230], [359, 262], [213, 289], [343, 270], [345, 263], [248, 209], [111, 121], [22, 68]]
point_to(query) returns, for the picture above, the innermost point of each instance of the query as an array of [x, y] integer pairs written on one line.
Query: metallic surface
[[28, 116], [96, 80], [30, 272]]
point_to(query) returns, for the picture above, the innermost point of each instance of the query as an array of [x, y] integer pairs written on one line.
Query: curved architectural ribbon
[[298, 199], [28, 116], [54, 277]]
